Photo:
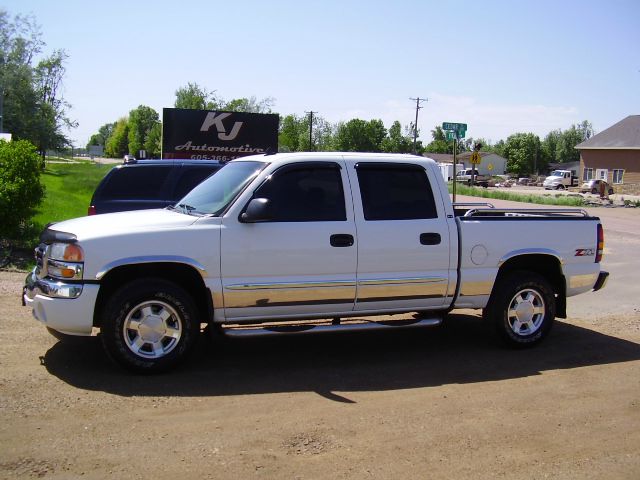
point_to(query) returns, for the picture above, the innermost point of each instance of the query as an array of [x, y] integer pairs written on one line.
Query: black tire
[[594, 190], [521, 309], [149, 325], [611, 191]]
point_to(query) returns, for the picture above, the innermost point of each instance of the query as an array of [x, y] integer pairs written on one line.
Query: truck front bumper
[[65, 307]]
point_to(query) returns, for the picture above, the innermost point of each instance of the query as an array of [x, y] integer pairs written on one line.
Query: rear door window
[[395, 192], [132, 183]]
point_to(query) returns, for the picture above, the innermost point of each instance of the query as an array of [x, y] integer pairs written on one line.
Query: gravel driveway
[[438, 403]]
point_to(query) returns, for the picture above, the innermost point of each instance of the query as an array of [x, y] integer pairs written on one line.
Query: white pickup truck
[[277, 243]]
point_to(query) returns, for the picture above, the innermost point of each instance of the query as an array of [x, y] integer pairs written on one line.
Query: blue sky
[[499, 66]]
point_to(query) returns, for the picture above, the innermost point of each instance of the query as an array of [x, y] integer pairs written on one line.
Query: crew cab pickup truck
[[277, 243]]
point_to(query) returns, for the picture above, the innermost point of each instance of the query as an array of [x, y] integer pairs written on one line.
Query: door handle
[[341, 240], [430, 238]]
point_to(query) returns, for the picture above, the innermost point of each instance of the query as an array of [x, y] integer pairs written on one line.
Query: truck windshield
[[557, 173], [217, 192]]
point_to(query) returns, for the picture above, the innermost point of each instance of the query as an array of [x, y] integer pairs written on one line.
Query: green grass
[[69, 187], [546, 199]]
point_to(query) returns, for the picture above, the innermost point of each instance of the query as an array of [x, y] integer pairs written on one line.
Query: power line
[[415, 125]]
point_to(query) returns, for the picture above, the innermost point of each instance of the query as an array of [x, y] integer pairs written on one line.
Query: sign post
[[455, 131]]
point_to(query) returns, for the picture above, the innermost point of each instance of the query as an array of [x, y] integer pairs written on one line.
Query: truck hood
[[552, 178], [111, 224]]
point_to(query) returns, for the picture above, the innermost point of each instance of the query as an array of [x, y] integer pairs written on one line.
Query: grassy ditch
[[546, 199], [69, 187]]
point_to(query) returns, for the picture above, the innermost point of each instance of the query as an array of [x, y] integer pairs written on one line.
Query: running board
[[335, 326]]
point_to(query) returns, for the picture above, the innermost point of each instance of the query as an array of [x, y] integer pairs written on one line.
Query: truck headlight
[[65, 261], [70, 252]]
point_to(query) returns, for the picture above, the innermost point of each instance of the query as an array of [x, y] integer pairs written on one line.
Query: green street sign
[[457, 127], [451, 135]]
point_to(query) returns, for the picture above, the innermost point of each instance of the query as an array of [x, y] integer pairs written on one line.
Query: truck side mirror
[[258, 210]]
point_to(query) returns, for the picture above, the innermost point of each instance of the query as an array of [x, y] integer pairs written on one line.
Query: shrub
[[20, 188]]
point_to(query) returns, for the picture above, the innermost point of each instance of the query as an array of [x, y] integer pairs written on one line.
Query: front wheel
[[149, 325], [521, 309]]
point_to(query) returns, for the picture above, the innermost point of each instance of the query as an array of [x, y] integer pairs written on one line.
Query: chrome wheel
[[526, 312], [152, 329]]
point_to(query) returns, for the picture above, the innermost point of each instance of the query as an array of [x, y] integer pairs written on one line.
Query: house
[[490, 163], [614, 155]]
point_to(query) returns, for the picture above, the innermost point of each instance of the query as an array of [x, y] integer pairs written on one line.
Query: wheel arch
[[183, 275], [547, 264]]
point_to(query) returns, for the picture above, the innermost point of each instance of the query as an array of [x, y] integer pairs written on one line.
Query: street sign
[[475, 158], [451, 135], [454, 126]]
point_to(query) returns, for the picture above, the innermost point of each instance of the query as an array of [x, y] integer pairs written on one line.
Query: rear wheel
[[521, 309], [594, 190], [149, 325]]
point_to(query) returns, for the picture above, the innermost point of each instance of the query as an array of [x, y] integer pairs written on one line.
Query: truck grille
[[39, 254]]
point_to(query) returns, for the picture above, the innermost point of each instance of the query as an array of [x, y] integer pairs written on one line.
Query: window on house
[[587, 174], [618, 173]]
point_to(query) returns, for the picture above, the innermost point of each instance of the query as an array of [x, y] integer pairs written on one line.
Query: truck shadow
[[457, 352]]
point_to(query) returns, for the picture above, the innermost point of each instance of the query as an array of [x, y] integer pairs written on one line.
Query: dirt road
[[440, 403]]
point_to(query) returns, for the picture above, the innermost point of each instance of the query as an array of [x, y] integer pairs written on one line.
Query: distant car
[[149, 184], [593, 186], [129, 159]]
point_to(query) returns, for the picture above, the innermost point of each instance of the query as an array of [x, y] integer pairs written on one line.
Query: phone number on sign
[[220, 158]]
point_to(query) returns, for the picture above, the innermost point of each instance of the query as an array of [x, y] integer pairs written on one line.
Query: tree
[[293, 135], [153, 142], [195, 97], [396, 142], [118, 143], [141, 121], [34, 108], [250, 105], [104, 132], [439, 144], [550, 145], [565, 149], [360, 136], [522, 151], [20, 188]]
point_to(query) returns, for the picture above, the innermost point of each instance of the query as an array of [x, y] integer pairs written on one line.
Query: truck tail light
[[600, 251], [91, 210]]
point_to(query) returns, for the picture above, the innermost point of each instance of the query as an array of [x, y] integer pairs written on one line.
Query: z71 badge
[[585, 252]]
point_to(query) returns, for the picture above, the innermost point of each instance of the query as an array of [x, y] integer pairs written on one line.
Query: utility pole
[[311, 129], [415, 125]]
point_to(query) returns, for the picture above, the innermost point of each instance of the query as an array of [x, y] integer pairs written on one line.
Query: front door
[[303, 260]]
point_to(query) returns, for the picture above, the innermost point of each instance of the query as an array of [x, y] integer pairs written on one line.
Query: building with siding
[[614, 155]]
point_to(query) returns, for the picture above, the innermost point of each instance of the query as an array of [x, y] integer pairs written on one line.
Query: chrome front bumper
[[65, 307], [50, 288]]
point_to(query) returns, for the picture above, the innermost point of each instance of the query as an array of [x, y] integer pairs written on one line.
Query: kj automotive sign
[[214, 135]]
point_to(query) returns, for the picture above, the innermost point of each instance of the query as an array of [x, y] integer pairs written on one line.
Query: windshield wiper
[[186, 208]]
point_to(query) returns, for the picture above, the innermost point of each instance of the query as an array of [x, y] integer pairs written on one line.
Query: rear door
[[302, 261], [404, 260]]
